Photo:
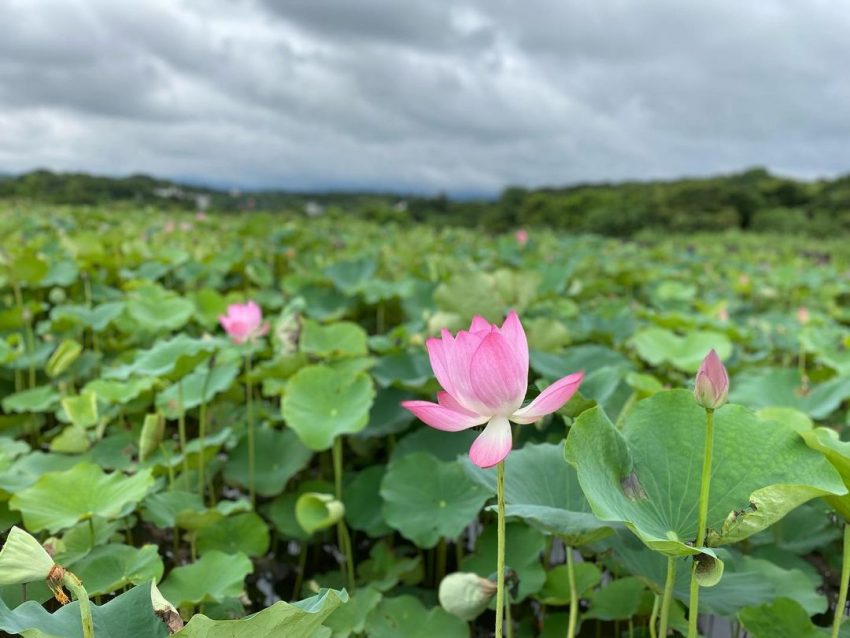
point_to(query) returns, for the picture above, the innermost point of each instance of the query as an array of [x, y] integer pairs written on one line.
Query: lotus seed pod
[[466, 595], [23, 559]]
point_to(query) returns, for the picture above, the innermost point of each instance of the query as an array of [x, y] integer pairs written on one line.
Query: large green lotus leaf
[[427, 499], [163, 357], [213, 577], [324, 303], [351, 618], [108, 568], [322, 403], [387, 415], [384, 569], [589, 358], [746, 581], [246, 533], [279, 455], [412, 369], [41, 399], [362, 509], [782, 387], [544, 491], [647, 474], [209, 306], [155, 309], [556, 589], [130, 614], [63, 318], [830, 347], [802, 531], [657, 346], [119, 392], [59, 499], [446, 446], [80, 410], [350, 275], [618, 600], [407, 617], [26, 470], [782, 618], [293, 620], [546, 334], [827, 441], [342, 339], [468, 294], [523, 546], [197, 387], [163, 508]]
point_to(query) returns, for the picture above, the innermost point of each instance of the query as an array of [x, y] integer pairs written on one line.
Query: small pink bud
[[803, 315], [712, 383], [723, 315], [521, 237]]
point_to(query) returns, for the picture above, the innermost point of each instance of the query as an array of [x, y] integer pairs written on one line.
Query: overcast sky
[[423, 95]]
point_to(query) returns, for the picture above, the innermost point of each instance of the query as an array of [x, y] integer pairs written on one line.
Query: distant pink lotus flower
[[244, 322], [201, 216], [521, 237], [803, 315], [712, 383], [169, 226], [723, 315], [484, 375]]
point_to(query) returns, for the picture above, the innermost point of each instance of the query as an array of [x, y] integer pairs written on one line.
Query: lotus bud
[[23, 559], [521, 236], [803, 315], [712, 383], [465, 595]]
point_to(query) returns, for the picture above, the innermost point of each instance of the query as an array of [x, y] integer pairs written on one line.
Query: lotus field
[[261, 425]]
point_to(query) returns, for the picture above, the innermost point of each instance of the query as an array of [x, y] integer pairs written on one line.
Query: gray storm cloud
[[466, 96]]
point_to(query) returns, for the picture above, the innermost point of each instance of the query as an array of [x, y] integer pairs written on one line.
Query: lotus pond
[[175, 461]]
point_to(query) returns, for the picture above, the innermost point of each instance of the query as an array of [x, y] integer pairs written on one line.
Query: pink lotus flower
[[712, 383], [803, 315], [244, 322], [521, 237], [484, 374]]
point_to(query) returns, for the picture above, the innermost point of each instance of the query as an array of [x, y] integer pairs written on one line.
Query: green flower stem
[[343, 537], [845, 577], [299, 577], [668, 596], [500, 554], [702, 520], [202, 432], [249, 391], [73, 583], [181, 431], [653, 617], [91, 531], [571, 573], [441, 561], [508, 622], [29, 336]]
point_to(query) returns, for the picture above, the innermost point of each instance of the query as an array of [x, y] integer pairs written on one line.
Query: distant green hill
[[750, 200]]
